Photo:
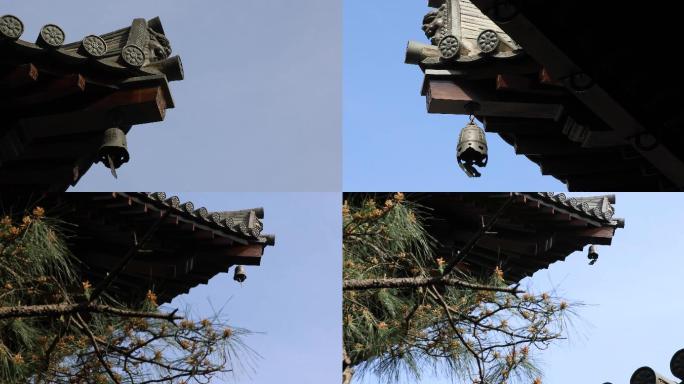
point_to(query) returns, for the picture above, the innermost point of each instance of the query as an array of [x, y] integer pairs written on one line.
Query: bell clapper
[[111, 166]]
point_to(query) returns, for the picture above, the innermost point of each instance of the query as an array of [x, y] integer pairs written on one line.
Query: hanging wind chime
[[240, 275], [472, 148]]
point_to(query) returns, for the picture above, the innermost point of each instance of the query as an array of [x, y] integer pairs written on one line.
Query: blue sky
[[259, 108], [294, 296], [390, 141], [634, 310]]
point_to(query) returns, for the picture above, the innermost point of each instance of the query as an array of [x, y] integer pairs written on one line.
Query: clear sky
[[633, 294], [259, 108], [262, 108], [294, 296], [390, 141]]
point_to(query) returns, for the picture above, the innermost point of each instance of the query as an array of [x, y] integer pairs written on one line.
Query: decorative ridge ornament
[[449, 47], [139, 50], [94, 46], [488, 41], [51, 36], [459, 34], [472, 149], [11, 27], [443, 28]]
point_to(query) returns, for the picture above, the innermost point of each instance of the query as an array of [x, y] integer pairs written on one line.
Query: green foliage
[[37, 269], [469, 335], [35, 266]]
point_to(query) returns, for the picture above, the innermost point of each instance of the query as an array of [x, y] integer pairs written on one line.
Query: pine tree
[[403, 314], [56, 327]]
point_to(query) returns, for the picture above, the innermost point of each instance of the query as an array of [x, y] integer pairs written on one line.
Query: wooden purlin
[[448, 97]]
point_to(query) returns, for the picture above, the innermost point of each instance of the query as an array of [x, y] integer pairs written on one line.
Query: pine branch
[[414, 282], [55, 310], [452, 323], [96, 348]]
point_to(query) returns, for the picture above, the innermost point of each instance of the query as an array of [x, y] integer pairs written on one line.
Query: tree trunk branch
[[68, 308], [414, 282], [347, 369], [98, 353]]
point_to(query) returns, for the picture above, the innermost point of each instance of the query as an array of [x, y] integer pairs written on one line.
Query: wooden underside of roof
[[615, 86], [529, 236], [180, 255], [543, 122], [53, 119]]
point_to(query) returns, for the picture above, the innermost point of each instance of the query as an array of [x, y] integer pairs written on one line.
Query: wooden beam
[[524, 85], [513, 83], [536, 215], [163, 268], [131, 107], [51, 91], [619, 181], [505, 244], [20, 76], [546, 78], [447, 97], [486, 70], [533, 127], [598, 236], [525, 145], [241, 254], [246, 251], [136, 106], [39, 176], [59, 149], [583, 166]]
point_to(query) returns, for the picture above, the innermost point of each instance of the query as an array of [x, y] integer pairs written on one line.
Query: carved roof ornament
[[459, 33], [488, 41], [11, 27], [444, 29], [51, 36], [142, 45], [94, 46], [139, 50]]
